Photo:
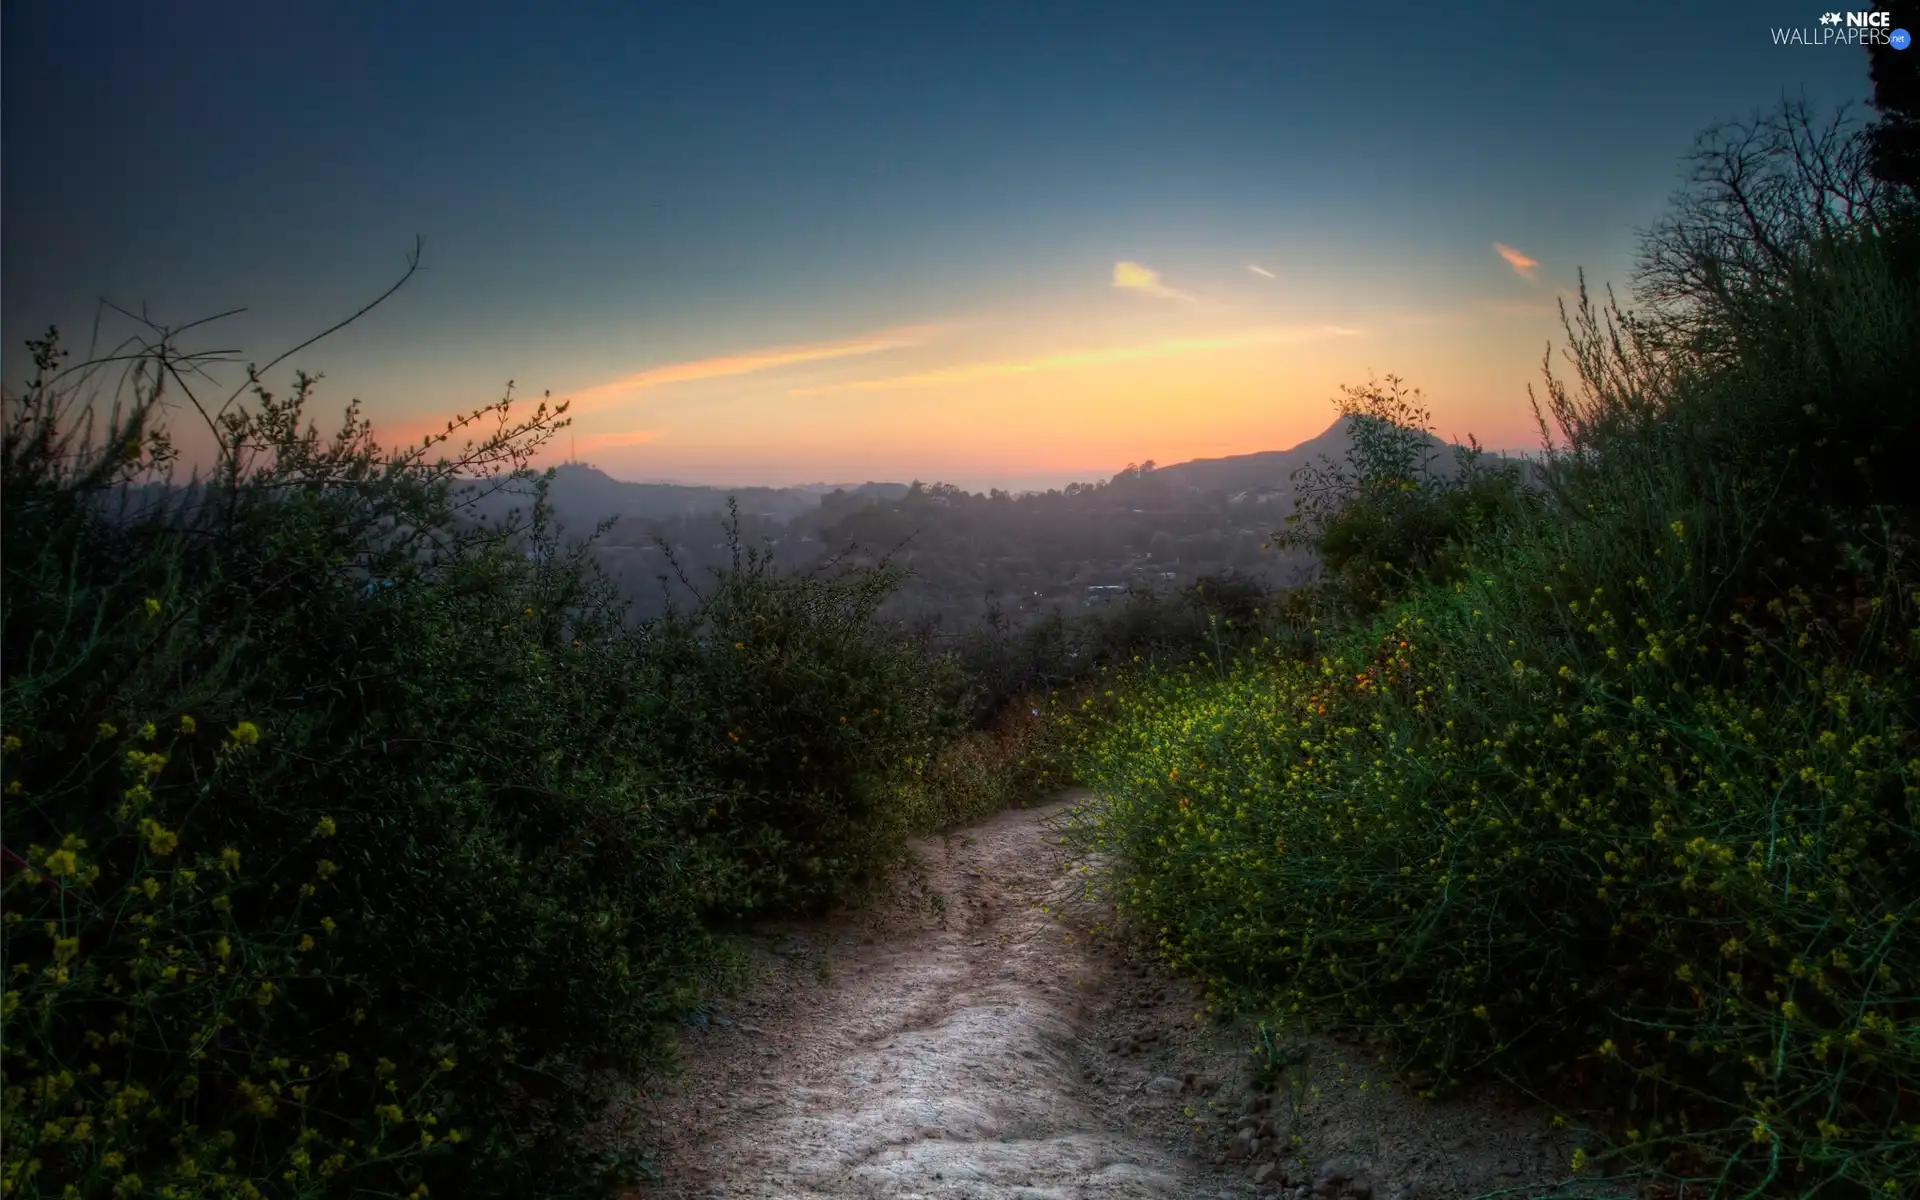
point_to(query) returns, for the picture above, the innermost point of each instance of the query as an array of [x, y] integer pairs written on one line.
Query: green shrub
[[355, 845], [1586, 867], [1214, 617], [330, 862], [810, 717], [1386, 521], [1627, 812], [1012, 761]]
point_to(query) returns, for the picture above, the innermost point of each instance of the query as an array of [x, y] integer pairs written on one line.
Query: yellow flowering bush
[[353, 849], [1627, 809], [1378, 848], [315, 888]]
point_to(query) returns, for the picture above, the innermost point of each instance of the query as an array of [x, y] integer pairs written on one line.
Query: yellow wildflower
[[160, 841]]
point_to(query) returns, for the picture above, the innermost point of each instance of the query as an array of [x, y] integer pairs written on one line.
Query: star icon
[[1830, 18]]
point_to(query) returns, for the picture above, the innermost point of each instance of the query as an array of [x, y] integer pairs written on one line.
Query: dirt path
[[988, 1046]]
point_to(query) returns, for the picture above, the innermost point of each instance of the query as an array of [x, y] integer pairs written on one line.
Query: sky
[[1007, 245]]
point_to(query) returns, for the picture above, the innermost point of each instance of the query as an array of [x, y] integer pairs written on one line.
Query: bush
[[330, 859], [811, 719], [1628, 812], [1386, 521], [358, 846], [1010, 762], [1216, 617]]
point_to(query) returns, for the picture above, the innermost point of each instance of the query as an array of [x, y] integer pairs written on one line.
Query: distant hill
[[584, 495], [1262, 470], [1269, 471]]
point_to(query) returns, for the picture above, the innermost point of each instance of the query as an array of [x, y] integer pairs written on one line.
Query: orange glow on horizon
[[1002, 403]]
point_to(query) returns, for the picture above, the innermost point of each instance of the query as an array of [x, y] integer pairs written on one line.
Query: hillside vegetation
[[356, 844], [356, 847], [1606, 784]]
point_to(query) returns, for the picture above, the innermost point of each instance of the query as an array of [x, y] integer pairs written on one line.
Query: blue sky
[[1007, 243]]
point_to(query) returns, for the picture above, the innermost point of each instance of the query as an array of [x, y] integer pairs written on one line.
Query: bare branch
[[413, 264]]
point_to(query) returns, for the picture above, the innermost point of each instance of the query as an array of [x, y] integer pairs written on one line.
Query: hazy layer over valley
[[1146, 527]]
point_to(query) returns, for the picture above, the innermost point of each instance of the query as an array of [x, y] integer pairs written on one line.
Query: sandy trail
[[987, 1046]]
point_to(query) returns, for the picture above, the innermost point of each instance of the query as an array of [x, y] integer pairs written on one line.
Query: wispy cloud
[[1261, 271], [1086, 358], [1521, 264], [606, 394], [1132, 277], [614, 393]]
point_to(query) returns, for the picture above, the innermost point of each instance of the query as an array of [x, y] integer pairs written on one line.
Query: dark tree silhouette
[[1895, 137]]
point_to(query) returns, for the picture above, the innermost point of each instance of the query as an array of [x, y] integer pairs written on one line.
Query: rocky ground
[[984, 1043]]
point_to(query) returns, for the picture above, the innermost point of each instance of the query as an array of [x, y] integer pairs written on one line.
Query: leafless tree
[[1762, 198]]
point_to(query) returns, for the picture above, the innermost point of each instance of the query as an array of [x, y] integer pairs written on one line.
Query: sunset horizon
[[739, 267]]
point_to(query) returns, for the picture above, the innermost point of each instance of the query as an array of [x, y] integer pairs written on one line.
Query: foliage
[[782, 690], [1011, 760], [1628, 810], [1215, 618], [1385, 520], [358, 846], [315, 876], [1895, 138], [1763, 203]]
